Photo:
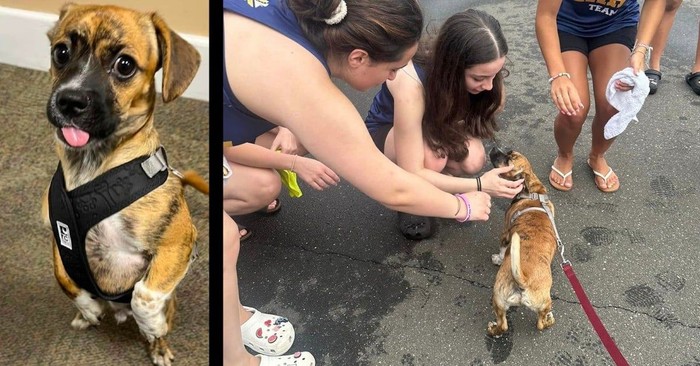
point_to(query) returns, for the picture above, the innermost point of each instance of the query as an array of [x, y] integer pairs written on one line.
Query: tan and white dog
[[101, 105], [528, 244]]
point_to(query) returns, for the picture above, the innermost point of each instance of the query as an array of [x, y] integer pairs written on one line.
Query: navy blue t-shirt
[[381, 112], [240, 124], [594, 18]]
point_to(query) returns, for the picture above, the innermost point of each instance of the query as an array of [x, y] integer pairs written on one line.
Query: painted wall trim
[[23, 43]]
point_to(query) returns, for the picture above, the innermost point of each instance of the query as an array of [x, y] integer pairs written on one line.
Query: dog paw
[[80, 323], [148, 308], [496, 259], [160, 352], [122, 312], [90, 311], [493, 330], [121, 316], [546, 322]]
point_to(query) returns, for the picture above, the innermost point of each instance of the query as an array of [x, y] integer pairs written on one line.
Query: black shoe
[[415, 227], [654, 78]]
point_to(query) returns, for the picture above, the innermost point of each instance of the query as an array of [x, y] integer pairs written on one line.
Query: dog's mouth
[[74, 136]]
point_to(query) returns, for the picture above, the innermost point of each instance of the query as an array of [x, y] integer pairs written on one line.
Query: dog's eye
[[61, 54], [125, 67]]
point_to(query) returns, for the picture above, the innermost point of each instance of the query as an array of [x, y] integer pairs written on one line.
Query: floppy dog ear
[[179, 60]]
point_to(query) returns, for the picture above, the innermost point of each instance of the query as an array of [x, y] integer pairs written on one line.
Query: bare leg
[[604, 62], [473, 163], [661, 36], [568, 128], [250, 189], [696, 66], [235, 353]]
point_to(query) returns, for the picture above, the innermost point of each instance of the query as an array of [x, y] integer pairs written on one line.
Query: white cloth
[[628, 103]]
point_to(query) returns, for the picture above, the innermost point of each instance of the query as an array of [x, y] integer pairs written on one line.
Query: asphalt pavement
[[358, 293]]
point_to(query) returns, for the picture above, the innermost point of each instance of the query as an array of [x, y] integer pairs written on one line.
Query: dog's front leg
[[90, 310], [153, 302]]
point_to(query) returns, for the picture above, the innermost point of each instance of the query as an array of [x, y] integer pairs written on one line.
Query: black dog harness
[[73, 213]]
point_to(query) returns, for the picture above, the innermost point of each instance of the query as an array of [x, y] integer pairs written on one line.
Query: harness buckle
[[155, 163]]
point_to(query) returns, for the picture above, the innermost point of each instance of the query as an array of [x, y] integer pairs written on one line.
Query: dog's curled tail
[[515, 259], [191, 178]]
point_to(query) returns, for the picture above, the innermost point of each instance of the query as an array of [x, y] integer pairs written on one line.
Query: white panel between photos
[[23, 43]]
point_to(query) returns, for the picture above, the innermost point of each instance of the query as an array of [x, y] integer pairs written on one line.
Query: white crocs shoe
[[267, 334], [297, 359]]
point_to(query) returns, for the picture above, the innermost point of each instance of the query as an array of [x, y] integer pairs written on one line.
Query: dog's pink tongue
[[75, 137]]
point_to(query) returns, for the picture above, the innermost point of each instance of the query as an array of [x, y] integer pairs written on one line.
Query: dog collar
[[73, 213]]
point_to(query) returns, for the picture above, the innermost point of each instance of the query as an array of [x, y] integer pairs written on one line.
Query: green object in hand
[[289, 179]]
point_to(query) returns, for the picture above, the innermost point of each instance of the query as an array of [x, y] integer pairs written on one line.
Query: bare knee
[[434, 162], [574, 122], [476, 159], [269, 188]]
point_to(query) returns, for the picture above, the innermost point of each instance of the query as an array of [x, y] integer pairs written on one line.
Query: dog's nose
[[72, 102], [499, 155]]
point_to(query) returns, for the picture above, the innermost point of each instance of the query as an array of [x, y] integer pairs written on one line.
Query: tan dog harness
[[73, 213]]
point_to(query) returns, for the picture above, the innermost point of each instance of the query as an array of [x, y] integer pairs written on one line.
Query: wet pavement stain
[[598, 236], [501, 347], [408, 360], [663, 186], [666, 317], [584, 340], [565, 358], [353, 326], [642, 296], [670, 281], [581, 254]]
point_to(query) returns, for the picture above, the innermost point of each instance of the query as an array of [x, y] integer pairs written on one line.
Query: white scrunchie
[[338, 14]]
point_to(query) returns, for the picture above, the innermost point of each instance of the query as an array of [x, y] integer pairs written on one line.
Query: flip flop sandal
[[557, 186], [247, 234], [297, 359], [654, 78], [271, 211], [270, 335], [693, 79], [605, 179], [415, 227]]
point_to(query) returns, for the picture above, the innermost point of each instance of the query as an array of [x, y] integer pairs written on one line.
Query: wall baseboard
[[25, 44]]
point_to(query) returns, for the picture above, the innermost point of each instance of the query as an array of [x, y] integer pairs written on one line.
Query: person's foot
[[268, 334], [654, 76], [296, 359], [560, 177], [605, 178], [273, 207], [244, 232]]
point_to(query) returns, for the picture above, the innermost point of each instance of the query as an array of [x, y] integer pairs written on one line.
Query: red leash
[[608, 342]]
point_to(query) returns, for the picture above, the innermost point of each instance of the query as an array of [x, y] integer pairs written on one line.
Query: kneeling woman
[[431, 117]]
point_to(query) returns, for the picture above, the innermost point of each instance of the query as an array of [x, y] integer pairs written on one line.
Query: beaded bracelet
[[557, 76], [469, 208]]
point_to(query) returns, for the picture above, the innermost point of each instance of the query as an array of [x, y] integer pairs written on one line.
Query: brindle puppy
[[528, 244], [103, 63]]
